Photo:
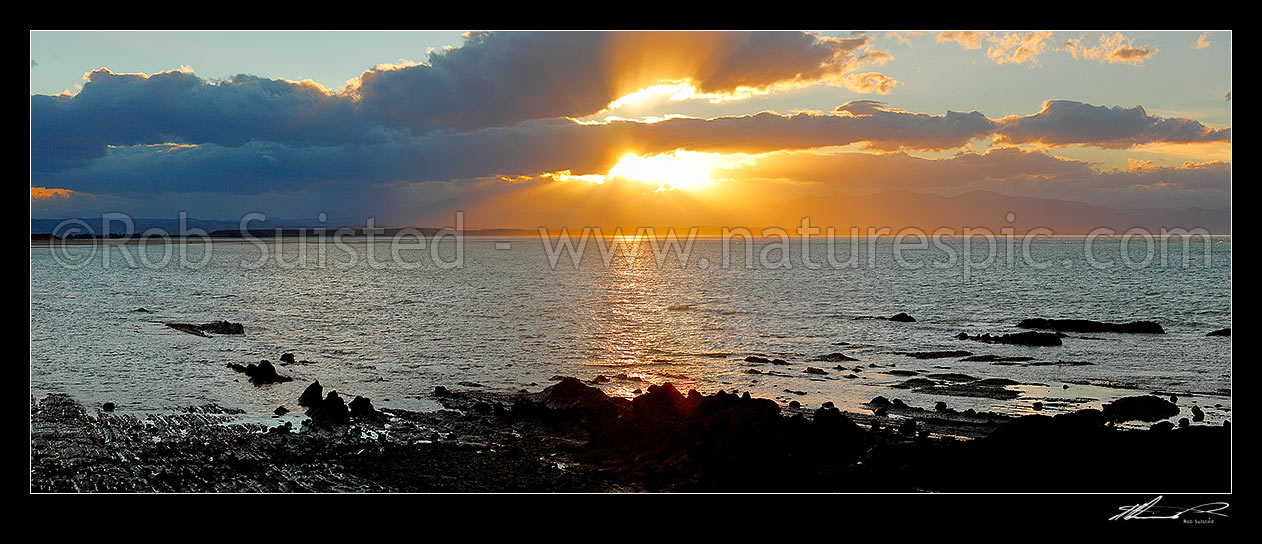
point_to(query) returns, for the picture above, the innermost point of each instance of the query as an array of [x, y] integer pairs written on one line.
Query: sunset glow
[[687, 170]]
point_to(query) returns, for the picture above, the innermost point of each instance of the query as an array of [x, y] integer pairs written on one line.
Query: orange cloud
[[1018, 48], [38, 193], [1202, 41], [1112, 48]]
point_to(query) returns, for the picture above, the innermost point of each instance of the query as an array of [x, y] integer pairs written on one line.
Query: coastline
[[571, 437]]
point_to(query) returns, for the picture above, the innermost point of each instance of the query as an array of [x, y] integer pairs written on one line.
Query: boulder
[[902, 317], [1221, 332]]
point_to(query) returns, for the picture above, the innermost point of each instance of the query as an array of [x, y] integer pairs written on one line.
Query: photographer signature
[[1150, 510]]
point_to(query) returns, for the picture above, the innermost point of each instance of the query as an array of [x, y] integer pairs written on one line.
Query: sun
[[678, 169]]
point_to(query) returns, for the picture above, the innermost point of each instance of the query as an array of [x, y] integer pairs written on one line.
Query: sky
[[525, 129]]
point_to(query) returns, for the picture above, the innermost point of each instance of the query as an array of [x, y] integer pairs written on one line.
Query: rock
[[469, 384], [287, 358], [835, 357], [440, 392], [902, 317], [908, 427], [757, 359], [1197, 415], [108, 407], [1174, 399], [794, 404], [828, 404], [1021, 338], [1163, 426], [1038, 406], [142, 310], [600, 378], [1140, 408], [938, 354], [1183, 423], [813, 370], [262, 373], [940, 406], [312, 395], [1221, 332], [779, 362], [362, 408], [330, 411], [280, 410], [996, 359], [1086, 325], [222, 327], [188, 328], [572, 398]]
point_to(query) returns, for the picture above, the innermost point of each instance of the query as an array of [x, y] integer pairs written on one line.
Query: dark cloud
[[500, 79], [179, 107], [1064, 122]]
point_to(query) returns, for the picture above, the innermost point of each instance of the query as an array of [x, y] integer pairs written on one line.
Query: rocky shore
[[571, 437]]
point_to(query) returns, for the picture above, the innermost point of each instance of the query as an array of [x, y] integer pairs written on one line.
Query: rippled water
[[508, 320]]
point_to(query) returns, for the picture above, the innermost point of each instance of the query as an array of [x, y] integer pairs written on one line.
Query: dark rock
[[908, 427], [794, 404], [1021, 338], [1183, 423], [572, 398], [996, 359], [362, 408], [757, 359], [813, 370], [1038, 406], [330, 411], [1086, 325], [1221, 332], [903, 318], [188, 328], [469, 384], [440, 391], [1140, 408], [779, 362], [835, 357], [938, 354], [287, 358], [262, 373], [940, 406], [1197, 414], [108, 407], [312, 395], [1162, 426], [280, 410], [222, 327]]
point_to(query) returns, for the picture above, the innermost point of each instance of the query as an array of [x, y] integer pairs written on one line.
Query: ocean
[[511, 313]]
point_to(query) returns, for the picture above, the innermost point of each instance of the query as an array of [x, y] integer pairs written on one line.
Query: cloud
[[1016, 48], [38, 193], [1112, 48], [1064, 122], [904, 37], [1011, 171], [1202, 41], [967, 40], [870, 82], [500, 79]]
